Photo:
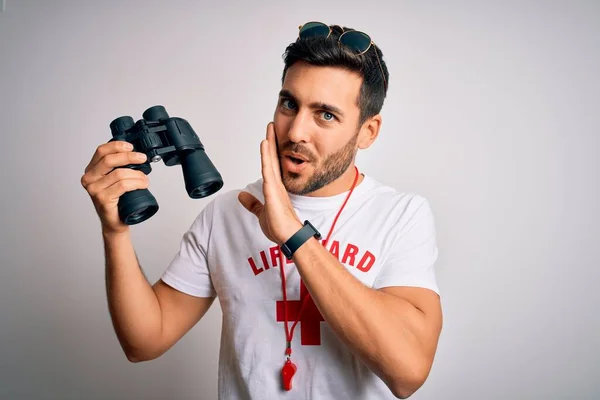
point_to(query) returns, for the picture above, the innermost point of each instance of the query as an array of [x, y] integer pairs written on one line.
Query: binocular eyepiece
[[172, 140]]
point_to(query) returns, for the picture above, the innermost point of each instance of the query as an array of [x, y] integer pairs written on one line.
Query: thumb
[[250, 203]]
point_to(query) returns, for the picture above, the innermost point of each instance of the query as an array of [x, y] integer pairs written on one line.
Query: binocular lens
[[137, 206], [205, 190], [200, 175]]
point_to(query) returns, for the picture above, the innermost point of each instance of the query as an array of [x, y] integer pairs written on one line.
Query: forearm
[[381, 329], [133, 305]]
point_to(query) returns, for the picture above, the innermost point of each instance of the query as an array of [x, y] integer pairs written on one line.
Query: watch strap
[[299, 238]]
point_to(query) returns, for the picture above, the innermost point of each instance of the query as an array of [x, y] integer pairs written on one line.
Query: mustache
[[296, 148]]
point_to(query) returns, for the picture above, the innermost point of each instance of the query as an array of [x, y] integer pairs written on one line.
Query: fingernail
[[128, 146], [140, 156]]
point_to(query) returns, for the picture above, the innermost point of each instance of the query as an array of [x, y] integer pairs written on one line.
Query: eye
[[289, 104], [327, 116]]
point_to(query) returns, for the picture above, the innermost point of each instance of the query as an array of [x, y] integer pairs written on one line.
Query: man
[[314, 245]]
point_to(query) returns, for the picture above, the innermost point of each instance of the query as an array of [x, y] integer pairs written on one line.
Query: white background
[[492, 114]]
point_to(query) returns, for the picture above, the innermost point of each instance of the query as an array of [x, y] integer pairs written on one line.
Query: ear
[[369, 131]]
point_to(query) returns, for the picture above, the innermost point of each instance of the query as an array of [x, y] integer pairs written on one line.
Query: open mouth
[[296, 160]]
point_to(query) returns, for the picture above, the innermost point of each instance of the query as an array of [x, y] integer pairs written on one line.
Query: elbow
[[142, 349], [135, 355], [135, 358], [402, 393], [403, 390], [406, 386]]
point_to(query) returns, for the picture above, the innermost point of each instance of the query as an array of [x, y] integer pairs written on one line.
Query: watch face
[[306, 232]]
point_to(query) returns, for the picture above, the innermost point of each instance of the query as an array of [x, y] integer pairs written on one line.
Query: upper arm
[[185, 291], [179, 313], [409, 273]]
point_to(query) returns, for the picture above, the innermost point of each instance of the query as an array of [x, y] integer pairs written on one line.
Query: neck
[[342, 184]]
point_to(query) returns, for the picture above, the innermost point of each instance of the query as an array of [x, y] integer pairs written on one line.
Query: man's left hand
[[276, 217]]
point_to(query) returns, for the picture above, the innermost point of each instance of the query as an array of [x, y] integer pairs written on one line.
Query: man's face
[[316, 124]]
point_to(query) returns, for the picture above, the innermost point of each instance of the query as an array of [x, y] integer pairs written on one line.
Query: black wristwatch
[[298, 239]]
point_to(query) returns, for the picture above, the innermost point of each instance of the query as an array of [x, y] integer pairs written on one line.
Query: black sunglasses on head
[[357, 41]]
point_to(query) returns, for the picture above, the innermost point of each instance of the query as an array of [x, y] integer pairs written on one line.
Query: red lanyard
[[289, 368]]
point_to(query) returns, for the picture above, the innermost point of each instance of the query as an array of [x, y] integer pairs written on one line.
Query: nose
[[299, 128]]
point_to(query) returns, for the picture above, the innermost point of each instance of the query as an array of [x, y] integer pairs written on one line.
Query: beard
[[331, 168]]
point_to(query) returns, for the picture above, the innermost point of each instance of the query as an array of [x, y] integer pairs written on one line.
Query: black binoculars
[[172, 140]]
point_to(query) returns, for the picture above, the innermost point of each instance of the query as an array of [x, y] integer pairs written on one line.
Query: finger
[[122, 186], [267, 168], [250, 203], [108, 148], [272, 138], [117, 175], [109, 163]]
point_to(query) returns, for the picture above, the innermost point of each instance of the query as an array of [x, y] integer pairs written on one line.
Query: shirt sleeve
[[412, 259], [189, 271]]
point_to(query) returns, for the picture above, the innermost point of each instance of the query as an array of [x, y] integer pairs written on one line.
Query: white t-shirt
[[382, 237]]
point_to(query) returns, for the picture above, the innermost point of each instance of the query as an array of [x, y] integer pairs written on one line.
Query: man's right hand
[[105, 183]]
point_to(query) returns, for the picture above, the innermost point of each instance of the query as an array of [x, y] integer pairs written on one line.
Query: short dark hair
[[326, 52]]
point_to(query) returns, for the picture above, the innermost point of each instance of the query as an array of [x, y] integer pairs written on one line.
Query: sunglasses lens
[[355, 40], [312, 29]]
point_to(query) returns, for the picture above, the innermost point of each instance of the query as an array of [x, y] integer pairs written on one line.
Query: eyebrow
[[315, 105]]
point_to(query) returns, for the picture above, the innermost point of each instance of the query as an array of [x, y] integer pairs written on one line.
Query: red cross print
[[310, 321]]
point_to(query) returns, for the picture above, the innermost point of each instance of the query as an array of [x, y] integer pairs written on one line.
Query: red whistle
[[287, 372]]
